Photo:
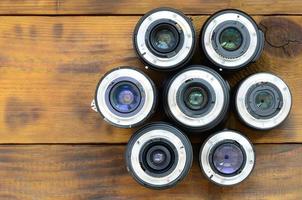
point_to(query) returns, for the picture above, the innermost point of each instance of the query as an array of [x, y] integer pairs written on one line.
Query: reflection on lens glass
[[125, 97], [264, 100], [195, 98], [165, 39], [230, 39], [158, 157], [228, 158]]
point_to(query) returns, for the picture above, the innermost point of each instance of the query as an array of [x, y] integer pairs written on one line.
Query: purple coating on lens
[[228, 158], [158, 157], [125, 97]]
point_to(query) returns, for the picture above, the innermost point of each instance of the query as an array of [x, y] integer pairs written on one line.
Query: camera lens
[[197, 98], [164, 39], [227, 158], [263, 101], [158, 155], [125, 97], [231, 39]]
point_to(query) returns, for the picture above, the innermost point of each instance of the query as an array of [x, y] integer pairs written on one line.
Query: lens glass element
[[125, 97], [228, 158], [164, 38], [158, 157], [196, 98], [230, 39], [264, 100]]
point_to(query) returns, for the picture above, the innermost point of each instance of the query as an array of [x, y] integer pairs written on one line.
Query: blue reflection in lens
[[228, 158], [125, 97], [158, 157]]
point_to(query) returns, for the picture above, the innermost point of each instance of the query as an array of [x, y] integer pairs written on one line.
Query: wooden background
[[52, 146]]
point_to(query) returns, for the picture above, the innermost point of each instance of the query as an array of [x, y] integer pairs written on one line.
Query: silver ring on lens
[[263, 101], [231, 39], [125, 97], [159, 155], [164, 39], [197, 98], [227, 158]]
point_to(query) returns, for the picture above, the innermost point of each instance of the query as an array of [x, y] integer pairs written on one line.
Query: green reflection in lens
[[264, 100], [165, 39], [230, 39], [196, 98]]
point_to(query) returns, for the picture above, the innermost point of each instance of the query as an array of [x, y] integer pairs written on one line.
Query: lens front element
[[195, 98], [230, 39], [164, 38], [228, 158], [125, 97], [264, 100]]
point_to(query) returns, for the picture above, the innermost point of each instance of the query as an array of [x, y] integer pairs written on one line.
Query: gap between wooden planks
[[49, 68], [130, 7]]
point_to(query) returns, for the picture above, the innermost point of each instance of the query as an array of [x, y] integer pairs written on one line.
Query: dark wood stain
[[33, 31], [19, 113], [90, 67], [18, 31], [58, 30], [283, 37]]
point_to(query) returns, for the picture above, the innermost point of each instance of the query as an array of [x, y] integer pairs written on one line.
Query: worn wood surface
[[53, 53], [49, 68], [127, 7], [97, 172]]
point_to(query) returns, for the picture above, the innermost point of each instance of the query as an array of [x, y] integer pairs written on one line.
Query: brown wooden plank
[[49, 67], [11, 7], [98, 172], [82, 7]]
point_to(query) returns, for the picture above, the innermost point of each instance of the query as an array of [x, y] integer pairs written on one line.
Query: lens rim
[[159, 130], [221, 62], [215, 116], [242, 110], [228, 141], [173, 61], [126, 120], [210, 143]]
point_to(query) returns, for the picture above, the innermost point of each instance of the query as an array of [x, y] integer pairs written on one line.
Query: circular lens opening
[[158, 158], [264, 100], [228, 158], [125, 97], [164, 38], [196, 98], [230, 39]]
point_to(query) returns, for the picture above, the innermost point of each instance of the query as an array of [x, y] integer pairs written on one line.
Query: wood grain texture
[[124, 7], [98, 172], [49, 68]]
